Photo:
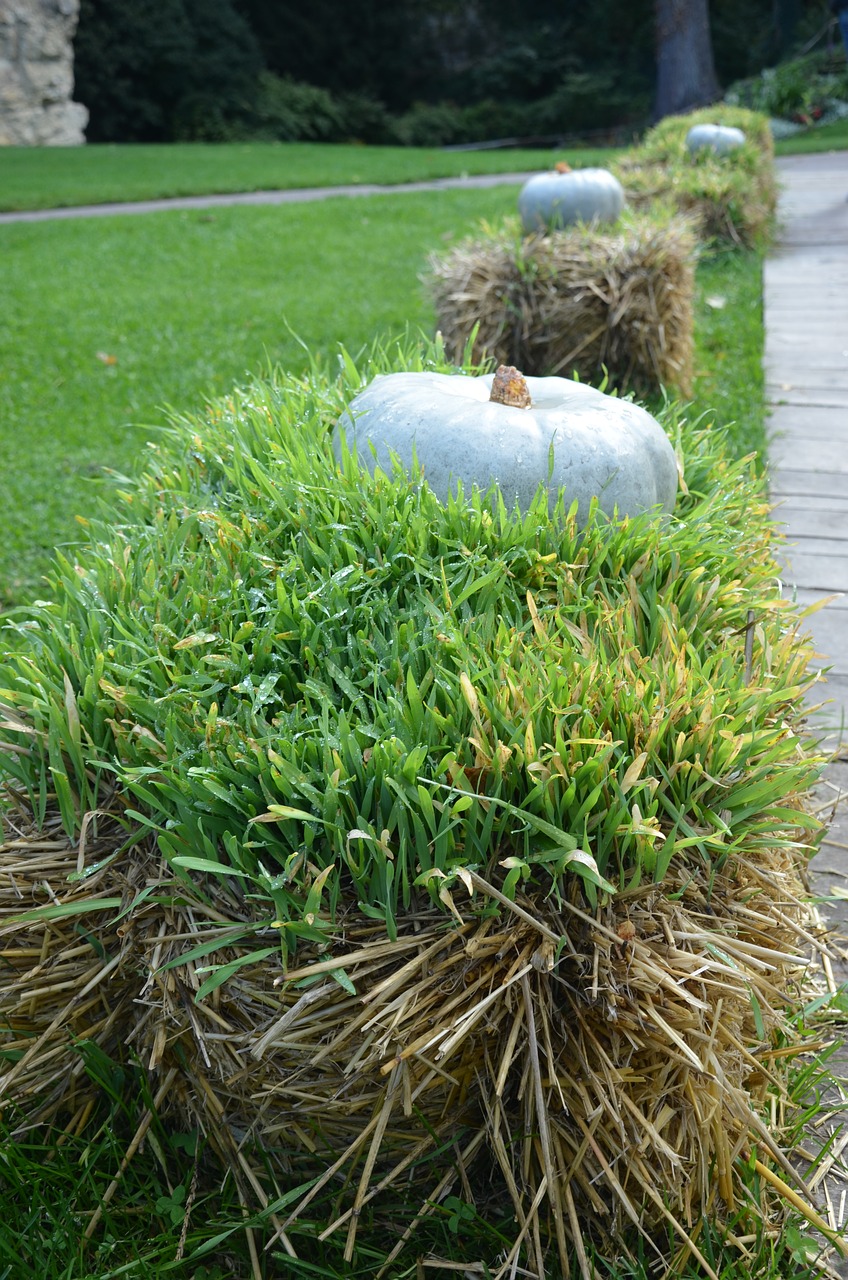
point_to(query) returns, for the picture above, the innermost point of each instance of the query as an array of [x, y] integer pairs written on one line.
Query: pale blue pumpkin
[[720, 138], [551, 200], [572, 437]]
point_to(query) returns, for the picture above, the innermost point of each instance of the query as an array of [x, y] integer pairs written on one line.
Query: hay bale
[[63, 950], [612, 1090], [585, 301], [627, 1067], [731, 198]]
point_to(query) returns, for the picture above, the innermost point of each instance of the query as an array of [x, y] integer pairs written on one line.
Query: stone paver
[[806, 366]]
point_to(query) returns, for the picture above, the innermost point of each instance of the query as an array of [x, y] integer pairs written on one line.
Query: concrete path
[[806, 364], [806, 358], [297, 195]]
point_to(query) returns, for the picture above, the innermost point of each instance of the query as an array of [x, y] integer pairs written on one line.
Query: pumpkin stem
[[510, 387]]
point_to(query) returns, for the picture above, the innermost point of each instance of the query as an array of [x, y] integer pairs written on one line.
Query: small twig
[[749, 647], [190, 1198]]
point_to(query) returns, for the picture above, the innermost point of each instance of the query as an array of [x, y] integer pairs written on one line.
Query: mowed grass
[[49, 177], [825, 137], [107, 321]]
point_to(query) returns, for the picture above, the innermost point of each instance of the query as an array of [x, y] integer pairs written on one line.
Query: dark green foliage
[[804, 87], [165, 69], [158, 70], [291, 111]]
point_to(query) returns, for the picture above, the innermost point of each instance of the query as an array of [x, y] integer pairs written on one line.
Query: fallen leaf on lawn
[[105, 358]]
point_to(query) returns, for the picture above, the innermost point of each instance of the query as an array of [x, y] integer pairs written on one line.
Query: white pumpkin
[[601, 447], [720, 138], [551, 200]]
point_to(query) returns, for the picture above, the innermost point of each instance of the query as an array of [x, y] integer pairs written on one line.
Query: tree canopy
[[160, 69]]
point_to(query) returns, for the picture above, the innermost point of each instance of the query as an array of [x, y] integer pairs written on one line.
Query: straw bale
[[614, 1084], [65, 981], [719, 206], [586, 301], [731, 198]]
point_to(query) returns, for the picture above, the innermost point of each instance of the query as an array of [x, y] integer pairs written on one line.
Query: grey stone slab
[[796, 329], [814, 523], [828, 635], [828, 455], [811, 545], [828, 869], [791, 504], [812, 420], [829, 707], [822, 548], [800, 273], [799, 327], [823, 236], [789, 263], [798, 481], [822, 602], [794, 374], [811, 393], [822, 573]]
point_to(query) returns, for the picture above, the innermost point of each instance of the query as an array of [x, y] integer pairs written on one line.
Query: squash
[[551, 200], [719, 138], [517, 433]]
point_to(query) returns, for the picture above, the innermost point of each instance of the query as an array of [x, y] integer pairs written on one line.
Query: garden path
[[293, 196], [806, 368]]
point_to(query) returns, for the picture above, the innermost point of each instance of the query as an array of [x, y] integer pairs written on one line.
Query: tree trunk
[[686, 76], [786, 16]]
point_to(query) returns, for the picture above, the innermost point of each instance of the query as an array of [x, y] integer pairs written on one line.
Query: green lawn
[[826, 137], [106, 321], [48, 177]]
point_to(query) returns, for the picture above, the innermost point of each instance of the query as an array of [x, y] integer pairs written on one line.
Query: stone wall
[[37, 74]]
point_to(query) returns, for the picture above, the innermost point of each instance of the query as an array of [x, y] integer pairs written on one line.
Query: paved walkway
[[806, 365], [806, 361], [806, 317], [297, 195]]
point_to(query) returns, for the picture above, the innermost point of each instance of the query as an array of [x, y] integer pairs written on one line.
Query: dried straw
[[716, 205], [584, 300], [610, 1067]]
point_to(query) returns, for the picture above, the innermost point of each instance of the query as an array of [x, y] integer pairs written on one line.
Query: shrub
[[290, 111], [807, 86], [157, 70], [253, 591]]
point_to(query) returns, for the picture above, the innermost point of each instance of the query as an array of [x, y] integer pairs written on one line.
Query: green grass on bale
[[732, 196], [268, 652]]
